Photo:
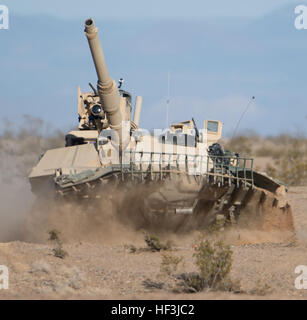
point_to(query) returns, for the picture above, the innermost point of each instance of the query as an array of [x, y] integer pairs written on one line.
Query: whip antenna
[[168, 98], [242, 115]]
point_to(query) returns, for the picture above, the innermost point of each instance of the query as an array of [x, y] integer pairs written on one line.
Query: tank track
[[176, 201]]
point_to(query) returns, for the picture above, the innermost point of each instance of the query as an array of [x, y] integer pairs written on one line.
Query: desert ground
[[104, 267], [108, 260]]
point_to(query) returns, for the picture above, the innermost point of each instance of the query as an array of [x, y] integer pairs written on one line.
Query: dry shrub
[[54, 235], [169, 264], [261, 288], [154, 244], [269, 151], [290, 166], [131, 248], [288, 151], [149, 284], [22, 145], [58, 251], [242, 144], [214, 262]]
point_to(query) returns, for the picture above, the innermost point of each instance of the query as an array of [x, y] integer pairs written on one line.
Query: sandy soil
[[106, 269]]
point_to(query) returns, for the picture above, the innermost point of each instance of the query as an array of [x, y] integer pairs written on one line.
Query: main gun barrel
[[107, 88]]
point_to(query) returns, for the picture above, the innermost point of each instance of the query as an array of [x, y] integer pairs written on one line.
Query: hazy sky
[[219, 54], [145, 8]]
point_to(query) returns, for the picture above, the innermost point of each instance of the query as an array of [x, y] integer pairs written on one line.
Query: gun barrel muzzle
[[91, 32]]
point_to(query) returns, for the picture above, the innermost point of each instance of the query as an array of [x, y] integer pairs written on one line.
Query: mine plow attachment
[[247, 207], [167, 207]]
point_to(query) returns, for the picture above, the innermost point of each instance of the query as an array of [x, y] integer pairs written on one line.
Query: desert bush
[[21, 145], [131, 248], [269, 151], [154, 244], [261, 288], [290, 166], [169, 264], [288, 153], [192, 282], [54, 235], [149, 284], [58, 251], [240, 144], [271, 171], [214, 262]]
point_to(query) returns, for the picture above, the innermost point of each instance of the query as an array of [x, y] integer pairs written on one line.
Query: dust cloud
[[20, 147], [23, 217]]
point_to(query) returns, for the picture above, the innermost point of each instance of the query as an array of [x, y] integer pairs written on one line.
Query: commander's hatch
[[213, 130]]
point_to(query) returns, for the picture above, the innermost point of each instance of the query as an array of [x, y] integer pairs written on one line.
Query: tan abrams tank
[[178, 178]]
